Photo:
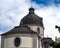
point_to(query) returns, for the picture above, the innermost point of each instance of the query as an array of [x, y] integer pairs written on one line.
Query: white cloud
[[51, 17], [12, 11], [0, 37]]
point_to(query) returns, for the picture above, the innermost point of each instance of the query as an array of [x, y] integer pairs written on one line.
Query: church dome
[[31, 19]]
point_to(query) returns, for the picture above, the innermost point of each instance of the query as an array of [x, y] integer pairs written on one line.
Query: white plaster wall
[[8, 42], [34, 28], [40, 45], [26, 42], [41, 32]]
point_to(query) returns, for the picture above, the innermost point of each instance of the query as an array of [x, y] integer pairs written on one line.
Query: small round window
[[17, 41]]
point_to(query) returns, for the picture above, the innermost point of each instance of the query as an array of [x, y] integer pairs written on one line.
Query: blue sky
[[46, 2], [12, 11]]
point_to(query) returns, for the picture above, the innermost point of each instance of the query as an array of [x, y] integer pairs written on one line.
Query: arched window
[[17, 41], [38, 30]]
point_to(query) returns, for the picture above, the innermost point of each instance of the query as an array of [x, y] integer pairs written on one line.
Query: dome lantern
[[31, 10], [31, 19]]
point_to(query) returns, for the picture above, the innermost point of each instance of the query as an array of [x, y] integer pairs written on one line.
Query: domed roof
[[31, 19]]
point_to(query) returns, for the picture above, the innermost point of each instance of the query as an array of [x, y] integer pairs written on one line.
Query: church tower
[[27, 35]]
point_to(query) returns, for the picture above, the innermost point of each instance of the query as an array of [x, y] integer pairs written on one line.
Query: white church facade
[[29, 34]]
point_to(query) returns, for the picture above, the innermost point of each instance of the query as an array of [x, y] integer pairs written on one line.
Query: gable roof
[[18, 30]]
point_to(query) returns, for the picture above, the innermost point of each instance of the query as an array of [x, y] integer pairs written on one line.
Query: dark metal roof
[[31, 19], [20, 29]]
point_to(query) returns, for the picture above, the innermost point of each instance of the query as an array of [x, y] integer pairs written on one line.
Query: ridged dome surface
[[32, 19]]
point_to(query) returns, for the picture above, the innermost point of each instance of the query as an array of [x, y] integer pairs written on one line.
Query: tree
[[55, 45]]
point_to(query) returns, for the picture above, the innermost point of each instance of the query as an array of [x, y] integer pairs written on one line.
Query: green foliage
[[55, 45]]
